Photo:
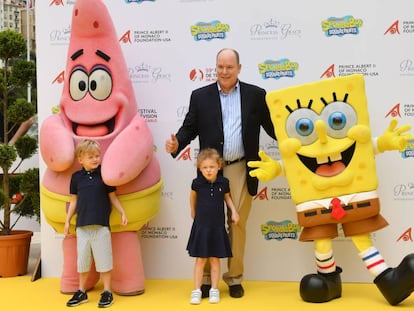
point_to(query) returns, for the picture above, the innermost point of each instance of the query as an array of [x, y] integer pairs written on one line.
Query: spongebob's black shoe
[[396, 284], [321, 287]]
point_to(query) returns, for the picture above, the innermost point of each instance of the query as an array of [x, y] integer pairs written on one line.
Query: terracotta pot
[[14, 253]]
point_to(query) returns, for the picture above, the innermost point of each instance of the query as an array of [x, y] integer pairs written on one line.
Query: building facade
[[18, 15]]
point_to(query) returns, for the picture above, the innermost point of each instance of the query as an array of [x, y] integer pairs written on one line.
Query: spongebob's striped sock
[[325, 262], [373, 261]]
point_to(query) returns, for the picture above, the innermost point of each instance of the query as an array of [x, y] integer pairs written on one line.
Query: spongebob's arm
[[266, 169], [393, 138]]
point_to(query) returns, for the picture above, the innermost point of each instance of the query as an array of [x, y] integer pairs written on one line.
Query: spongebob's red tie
[[337, 211]]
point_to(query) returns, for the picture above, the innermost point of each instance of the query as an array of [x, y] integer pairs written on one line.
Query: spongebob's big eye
[[339, 118], [78, 83], [304, 127], [100, 83], [301, 125]]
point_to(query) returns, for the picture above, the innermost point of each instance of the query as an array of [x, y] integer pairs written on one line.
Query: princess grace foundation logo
[[407, 67], [274, 29], [404, 191], [146, 73]]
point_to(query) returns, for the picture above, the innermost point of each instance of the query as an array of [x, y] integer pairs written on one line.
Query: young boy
[[91, 200]]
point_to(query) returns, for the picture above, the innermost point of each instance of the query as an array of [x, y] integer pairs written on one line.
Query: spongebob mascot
[[327, 155], [98, 102]]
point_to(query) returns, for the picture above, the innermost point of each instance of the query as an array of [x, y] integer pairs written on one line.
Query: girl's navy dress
[[208, 237]]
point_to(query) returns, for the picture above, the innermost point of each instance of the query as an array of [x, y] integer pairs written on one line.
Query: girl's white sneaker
[[214, 295], [195, 297]]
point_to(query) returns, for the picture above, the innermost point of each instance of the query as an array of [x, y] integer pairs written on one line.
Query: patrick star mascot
[[98, 102]]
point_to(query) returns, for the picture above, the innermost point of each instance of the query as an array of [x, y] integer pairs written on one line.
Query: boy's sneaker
[[214, 295], [78, 298], [106, 299], [195, 297]]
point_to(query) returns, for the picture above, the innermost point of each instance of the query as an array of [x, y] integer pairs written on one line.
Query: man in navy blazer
[[227, 116]]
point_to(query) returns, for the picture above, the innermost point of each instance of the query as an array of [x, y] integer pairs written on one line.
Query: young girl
[[208, 238]]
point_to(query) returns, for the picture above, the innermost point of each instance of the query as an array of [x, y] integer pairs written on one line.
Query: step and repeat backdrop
[[170, 48]]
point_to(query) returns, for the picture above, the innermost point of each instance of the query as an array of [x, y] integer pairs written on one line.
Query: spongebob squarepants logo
[[279, 231]]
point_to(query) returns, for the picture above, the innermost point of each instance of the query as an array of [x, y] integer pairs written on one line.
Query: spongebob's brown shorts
[[361, 217]]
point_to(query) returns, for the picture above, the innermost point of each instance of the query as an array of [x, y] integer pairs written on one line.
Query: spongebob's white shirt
[[345, 199]]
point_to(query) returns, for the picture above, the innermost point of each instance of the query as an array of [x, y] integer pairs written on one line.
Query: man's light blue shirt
[[232, 127]]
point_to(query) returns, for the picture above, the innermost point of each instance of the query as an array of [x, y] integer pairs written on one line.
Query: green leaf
[[7, 156]]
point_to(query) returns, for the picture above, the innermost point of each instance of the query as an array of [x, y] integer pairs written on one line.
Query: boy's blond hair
[[87, 146]]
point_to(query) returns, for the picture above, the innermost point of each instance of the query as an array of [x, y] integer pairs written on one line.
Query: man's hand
[[171, 144], [266, 169]]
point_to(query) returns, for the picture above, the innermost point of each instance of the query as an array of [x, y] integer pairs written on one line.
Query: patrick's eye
[[100, 84], [78, 84]]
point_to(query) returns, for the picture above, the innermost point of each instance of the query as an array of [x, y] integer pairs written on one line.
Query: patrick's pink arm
[[56, 144], [128, 154]]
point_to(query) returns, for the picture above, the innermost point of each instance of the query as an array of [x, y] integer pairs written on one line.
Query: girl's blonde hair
[[87, 146], [209, 153]]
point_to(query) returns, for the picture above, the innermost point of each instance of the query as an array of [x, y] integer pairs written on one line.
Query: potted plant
[[19, 191]]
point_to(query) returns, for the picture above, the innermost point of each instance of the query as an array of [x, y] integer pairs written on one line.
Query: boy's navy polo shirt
[[93, 206]]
